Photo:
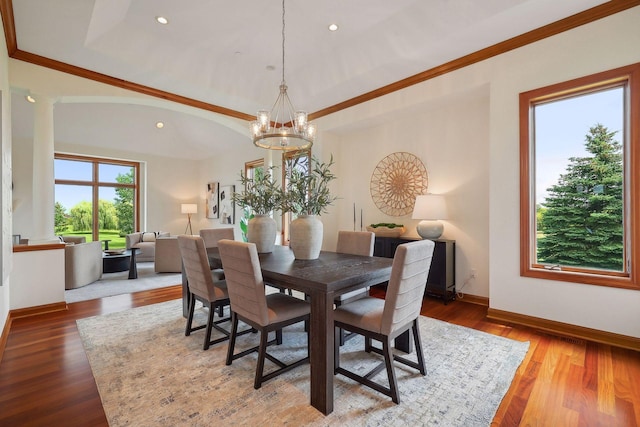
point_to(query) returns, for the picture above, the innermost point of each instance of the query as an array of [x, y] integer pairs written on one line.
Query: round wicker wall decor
[[396, 181]]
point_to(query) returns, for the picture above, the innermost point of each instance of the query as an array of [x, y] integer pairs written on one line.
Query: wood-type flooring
[[46, 380]]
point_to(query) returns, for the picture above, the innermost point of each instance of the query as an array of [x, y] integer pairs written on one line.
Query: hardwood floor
[[46, 380]]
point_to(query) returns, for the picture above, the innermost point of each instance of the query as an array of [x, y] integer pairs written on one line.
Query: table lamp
[[430, 208], [189, 208]]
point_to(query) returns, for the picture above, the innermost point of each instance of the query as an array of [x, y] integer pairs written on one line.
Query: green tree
[[60, 218], [107, 217], [124, 203], [582, 223], [81, 216]]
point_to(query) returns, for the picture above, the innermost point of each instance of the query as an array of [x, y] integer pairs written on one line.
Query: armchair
[[146, 243]]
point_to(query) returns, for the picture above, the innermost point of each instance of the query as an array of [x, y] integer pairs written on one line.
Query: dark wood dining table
[[322, 279]]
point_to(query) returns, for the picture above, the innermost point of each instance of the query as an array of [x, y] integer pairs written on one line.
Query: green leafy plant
[[261, 194], [384, 224], [307, 189]]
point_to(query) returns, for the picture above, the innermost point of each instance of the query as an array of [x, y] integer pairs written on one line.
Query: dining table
[[322, 280]]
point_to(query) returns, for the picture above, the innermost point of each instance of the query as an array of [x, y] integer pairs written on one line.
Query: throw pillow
[[148, 237]]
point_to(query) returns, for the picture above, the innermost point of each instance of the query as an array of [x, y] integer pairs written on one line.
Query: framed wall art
[[227, 207], [212, 200], [396, 181]]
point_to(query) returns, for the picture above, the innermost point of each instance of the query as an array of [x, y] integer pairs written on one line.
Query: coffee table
[[121, 262]]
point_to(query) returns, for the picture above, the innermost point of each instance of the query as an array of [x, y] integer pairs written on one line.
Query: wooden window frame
[[629, 76], [95, 184]]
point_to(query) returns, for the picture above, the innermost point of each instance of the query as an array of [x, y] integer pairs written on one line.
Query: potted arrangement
[[307, 195], [261, 196]]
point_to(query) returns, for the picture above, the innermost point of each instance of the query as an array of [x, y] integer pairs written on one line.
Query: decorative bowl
[[114, 251], [386, 231]]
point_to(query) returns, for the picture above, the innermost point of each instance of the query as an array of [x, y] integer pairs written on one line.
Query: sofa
[[82, 264], [146, 244], [167, 258]]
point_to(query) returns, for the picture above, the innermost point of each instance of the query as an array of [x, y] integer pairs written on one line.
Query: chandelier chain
[[283, 82]]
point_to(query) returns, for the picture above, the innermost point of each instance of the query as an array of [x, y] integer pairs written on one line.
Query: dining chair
[[384, 320], [204, 284], [249, 303], [211, 236], [355, 243]]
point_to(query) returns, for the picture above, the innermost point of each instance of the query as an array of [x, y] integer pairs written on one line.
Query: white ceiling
[[220, 52]]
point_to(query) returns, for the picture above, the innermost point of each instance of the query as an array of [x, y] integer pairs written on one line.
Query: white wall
[[606, 44], [37, 286], [5, 182], [455, 150], [464, 127], [451, 138]]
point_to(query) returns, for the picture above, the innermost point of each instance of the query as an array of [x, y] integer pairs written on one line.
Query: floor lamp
[[189, 208]]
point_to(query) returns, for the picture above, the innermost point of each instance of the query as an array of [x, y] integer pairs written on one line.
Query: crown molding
[[579, 19]]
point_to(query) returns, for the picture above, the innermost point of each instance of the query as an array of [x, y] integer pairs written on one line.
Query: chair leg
[[278, 336], [391, 374], [417, 341], [257, 383], [336, 350], [232, 338], [207, 336], [192, 306], [221, 311]]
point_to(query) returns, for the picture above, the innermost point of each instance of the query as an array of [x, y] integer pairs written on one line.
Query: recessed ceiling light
[[30, 98], [333, 27], [162, 20], [160, 125]]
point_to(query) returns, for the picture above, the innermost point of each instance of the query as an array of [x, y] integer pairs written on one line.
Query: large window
[[96, 198], [580, 180]]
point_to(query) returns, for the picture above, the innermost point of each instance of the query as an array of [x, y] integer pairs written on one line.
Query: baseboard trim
[[565, 329], [474, 299], [5, 336], [38, 309], [26, 312]]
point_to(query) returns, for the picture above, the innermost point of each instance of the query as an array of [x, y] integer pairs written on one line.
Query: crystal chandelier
[[282, 128]]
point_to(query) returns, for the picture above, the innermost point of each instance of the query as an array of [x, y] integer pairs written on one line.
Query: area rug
[[111, 284], [149, 374]]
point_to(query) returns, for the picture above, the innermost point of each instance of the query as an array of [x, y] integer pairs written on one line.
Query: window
[[97, 198], [580, 180]]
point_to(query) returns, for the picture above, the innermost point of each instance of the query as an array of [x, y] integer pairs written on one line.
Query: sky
[[561, 127], [69, 195]]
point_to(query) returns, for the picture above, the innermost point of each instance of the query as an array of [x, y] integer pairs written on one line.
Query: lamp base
[[430, 229]]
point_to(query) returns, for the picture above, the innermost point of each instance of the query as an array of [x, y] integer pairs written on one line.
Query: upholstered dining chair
[[355, 243], [212, 235], [384, 320], [249, 303], [204, 284]]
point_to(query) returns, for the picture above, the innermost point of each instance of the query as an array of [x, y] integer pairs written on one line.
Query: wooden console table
[[441, 282]]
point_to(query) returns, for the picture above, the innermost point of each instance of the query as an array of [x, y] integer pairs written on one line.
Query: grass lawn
[[115, 241]]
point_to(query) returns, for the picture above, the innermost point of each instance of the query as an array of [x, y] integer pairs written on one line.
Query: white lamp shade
[[189, 208], [430, 206]]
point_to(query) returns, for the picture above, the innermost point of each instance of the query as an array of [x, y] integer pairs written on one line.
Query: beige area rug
[[111, 284], [149, 374]]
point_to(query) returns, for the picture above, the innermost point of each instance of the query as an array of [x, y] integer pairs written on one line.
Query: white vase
[[305, 237], [261, 230]]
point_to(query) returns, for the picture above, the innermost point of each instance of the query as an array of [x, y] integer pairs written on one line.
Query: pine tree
[[582, 221]]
